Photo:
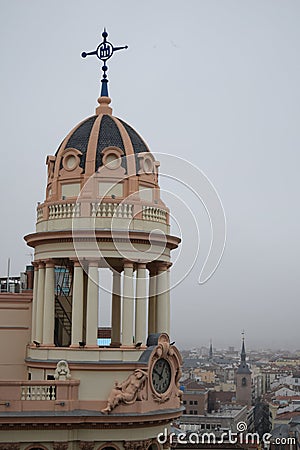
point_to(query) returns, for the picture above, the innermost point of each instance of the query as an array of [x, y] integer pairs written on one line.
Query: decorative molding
[[137, 445], [60, 445], [8, 446], [86, 445]]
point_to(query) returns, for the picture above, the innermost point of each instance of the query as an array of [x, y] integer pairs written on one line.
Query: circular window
[[70, 162], [112, 161], [148, 165]]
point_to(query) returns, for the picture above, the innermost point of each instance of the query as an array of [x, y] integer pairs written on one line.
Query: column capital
[[141, 265], [49, 263], [76, 262], [162, 266], [35, 265], [128, 264], [41, 264], [93, 263]]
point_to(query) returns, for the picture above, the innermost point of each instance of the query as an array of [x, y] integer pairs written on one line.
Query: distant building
[[195, 398], [243, 380]]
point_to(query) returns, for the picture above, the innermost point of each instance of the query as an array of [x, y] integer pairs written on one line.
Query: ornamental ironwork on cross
[[104, 51]]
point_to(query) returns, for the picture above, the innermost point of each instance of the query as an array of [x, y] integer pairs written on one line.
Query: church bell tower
[[243, 380]]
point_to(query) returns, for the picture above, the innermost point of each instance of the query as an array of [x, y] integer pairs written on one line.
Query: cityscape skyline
[[215, 84]]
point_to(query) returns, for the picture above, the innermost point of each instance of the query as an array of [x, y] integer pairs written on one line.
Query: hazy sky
[[214, 82]]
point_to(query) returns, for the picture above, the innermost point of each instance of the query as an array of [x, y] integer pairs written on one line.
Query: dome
[[99, 132], [107, 150]]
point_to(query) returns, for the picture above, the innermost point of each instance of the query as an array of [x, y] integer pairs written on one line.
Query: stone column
[[116, 310], [141, 305], [34, 300], [127, 322], [92, 304], [168, 301], [49, 304], [152, 301], [40, 302], [162, 319], [77, 305]]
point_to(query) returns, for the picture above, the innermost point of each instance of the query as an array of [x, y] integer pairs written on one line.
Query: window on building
[[191, 402], [195, 402], [184, 402]]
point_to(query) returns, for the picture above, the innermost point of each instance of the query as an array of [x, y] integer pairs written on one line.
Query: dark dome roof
[[105, 131]]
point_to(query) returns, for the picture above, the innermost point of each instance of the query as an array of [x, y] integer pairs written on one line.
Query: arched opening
[[108, 446], [36, 447]]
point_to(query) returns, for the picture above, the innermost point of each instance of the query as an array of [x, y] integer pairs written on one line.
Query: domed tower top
[[103, 158]]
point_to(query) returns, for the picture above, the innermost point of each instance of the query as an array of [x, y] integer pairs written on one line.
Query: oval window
[[148, 165], [112, 161]]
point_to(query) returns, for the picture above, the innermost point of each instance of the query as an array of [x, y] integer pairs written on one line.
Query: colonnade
[[135, 311]]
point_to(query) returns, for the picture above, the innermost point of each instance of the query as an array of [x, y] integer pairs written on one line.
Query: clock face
[[161, 375]]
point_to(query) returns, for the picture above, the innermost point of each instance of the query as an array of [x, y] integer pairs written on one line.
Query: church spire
[[243, 352], [210, 356], [243, 366]]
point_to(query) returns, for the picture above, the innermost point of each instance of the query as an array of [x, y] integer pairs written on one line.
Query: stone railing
[[154, 214], [38, 392], [39, 214], [25, 395], [118, 210], [64, 210]]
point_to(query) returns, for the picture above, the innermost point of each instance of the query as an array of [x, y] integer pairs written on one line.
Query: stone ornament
[[85, 445], [62, 371], [60, 446], [137, 445], [128, 392], [7, 446], [164, 350]]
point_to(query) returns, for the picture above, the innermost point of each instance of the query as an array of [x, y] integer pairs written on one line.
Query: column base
[[115, 344]]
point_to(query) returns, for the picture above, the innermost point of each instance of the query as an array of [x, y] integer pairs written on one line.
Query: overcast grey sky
[[215, 82]]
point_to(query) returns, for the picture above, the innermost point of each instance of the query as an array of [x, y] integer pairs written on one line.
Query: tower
[[102, 216], [243, 380], [210, 355]]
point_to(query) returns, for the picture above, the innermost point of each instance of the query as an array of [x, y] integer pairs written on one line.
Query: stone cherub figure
[[126, 392]]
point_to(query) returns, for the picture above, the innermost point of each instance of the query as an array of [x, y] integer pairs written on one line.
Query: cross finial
[[243, 335], [104, 51]]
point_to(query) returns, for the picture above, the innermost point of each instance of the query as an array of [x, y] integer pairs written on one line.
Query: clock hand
[[157, 373], [162, 371]]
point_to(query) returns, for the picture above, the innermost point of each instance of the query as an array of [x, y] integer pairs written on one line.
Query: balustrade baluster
[[23, 393], [28, 393]]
